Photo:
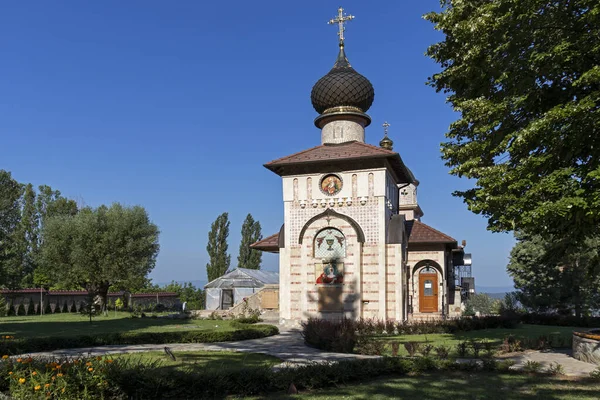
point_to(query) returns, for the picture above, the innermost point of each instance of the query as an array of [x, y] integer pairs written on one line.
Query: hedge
[[241, 332]]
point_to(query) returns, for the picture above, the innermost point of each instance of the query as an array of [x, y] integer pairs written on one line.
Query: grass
[[71, 325], [491, 335], [488, 386], [195, 361]]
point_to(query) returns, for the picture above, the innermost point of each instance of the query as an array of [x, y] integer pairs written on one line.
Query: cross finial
[[385, 128], [341, 19]]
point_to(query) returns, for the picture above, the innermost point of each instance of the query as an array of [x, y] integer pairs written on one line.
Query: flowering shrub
[[77, 378]]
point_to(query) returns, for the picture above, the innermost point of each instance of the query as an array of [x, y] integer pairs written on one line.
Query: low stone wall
[[587, 348]]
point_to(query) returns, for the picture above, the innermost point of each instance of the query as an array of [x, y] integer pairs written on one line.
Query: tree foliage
[[217, 248], [554, 279], [187, 292], [10, 218], [525, 77], [99, 248], [251, 233]]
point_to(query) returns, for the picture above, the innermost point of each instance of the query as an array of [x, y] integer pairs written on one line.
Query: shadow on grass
[[203, 361], [103, 326], [460, 386]]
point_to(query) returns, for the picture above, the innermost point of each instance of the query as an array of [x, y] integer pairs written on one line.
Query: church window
[[330, 244], [428, 270]]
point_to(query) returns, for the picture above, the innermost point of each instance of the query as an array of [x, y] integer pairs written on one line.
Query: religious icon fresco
[[330, 244], [330, 272], [331, 184]]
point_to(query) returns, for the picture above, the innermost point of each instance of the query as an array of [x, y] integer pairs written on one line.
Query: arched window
[[330, 243]]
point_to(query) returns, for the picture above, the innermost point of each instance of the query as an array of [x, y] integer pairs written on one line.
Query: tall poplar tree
[[217, 248], [251, 233], [10, 217]]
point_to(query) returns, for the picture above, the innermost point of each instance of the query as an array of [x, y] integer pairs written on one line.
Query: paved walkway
[[547, 358], [289, 346]]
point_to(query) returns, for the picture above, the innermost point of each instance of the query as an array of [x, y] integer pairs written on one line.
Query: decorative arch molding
[[360, 235], [427, 263]]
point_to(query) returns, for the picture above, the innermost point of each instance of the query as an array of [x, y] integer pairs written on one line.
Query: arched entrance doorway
[[428, 290]]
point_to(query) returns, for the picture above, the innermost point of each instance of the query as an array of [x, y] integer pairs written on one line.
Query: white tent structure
[[231, 288]]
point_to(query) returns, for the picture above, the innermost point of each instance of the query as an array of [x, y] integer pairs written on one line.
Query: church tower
[[351, 216]]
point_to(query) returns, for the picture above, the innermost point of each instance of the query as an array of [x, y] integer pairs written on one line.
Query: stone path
[[571, 366], [289, 346]]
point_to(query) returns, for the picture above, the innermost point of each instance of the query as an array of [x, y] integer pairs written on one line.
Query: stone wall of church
[[372, 270]]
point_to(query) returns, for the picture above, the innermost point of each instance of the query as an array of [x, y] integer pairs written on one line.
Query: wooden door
[[226, 299], [428, 292]]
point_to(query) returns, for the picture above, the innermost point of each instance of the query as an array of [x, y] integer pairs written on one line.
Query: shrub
[[426, 350], [336, 336], [476, 346], [395, 348], [556, 369], [369, 346], [412, 348], [532, 367], [442, 352], [462, 348], [242, 332]]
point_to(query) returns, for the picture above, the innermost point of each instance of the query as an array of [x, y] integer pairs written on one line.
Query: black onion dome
[[342, 87]]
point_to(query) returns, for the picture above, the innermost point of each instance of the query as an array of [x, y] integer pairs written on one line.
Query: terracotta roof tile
[[270, 244], [419, 232], [325, 152]]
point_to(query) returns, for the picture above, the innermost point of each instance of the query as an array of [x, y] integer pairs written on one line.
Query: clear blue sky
[[175, 105]]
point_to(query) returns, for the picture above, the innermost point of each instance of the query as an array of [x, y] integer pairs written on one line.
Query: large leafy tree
[[525, 77], [10, 218], [100, 248], [217, 248], [553, 279], [251, 233]]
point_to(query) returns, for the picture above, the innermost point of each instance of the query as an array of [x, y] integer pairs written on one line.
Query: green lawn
[[461, 386], [64, 325], [492, 335], [201, 360]]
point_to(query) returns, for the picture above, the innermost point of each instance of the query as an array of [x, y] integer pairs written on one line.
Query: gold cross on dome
[[341, 19], [385, 128]]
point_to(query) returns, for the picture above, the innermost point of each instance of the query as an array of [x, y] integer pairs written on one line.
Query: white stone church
[[352, 242]]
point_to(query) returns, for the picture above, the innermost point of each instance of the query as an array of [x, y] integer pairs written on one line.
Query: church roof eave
[[319, 158]]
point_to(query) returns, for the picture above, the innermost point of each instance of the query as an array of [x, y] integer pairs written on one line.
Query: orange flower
[[53, 378], [98, 358], [88, 364], [4, 357], [58, 367], [62, 390], [37, 387], [34, 373], [10, 373], [90, 369], [47, 385], [19, 360], [108, 361], [21, 380], [59, 375]]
